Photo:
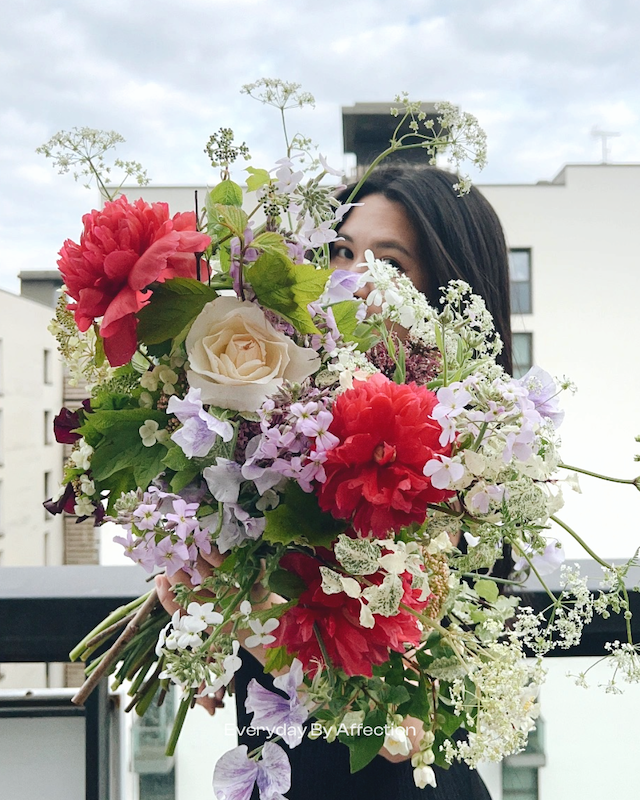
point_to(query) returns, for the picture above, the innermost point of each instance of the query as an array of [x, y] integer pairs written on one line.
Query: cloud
[[539, 74]]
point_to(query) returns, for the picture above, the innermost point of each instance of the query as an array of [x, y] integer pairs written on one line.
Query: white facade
[[585, 277], [30, 459]]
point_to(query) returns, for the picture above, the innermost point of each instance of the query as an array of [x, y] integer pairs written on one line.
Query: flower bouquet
[[335, 473]]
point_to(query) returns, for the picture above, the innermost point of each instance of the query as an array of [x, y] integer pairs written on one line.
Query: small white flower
[[149, 432], [424, 776], [83, 507], [397, 741], [204, 613], [261, 632]]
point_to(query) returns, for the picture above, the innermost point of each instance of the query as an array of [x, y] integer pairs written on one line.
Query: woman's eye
[[340, 251]]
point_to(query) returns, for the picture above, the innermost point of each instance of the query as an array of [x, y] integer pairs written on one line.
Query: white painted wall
[[582, 230]]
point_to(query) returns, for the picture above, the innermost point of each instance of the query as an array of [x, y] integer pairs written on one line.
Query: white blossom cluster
[[187, 659], [503, 708]]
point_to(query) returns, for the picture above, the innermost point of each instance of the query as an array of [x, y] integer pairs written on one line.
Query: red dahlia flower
[[124, 248], [336, 618], [374, 475]]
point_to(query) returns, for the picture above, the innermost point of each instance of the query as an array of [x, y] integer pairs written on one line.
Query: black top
[[320, 770]]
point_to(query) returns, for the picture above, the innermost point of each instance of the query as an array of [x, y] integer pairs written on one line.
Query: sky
[[539, 75]]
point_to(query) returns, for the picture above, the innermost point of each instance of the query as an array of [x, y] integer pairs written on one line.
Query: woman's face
[[382, 226]]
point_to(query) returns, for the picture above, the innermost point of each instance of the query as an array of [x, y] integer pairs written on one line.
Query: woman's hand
[[164, 587]]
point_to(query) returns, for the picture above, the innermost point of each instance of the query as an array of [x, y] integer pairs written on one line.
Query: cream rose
[[238, 359]]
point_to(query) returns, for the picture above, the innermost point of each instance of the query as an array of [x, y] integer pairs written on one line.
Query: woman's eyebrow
[[391, 245], [387, 245]]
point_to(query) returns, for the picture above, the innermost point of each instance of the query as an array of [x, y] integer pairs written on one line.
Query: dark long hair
[[459, 237]]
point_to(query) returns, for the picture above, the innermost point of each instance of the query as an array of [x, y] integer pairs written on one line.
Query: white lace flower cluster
[[502, 709], [394, 296]]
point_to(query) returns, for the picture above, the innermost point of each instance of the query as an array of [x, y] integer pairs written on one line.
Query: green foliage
[[269, 242], [277, 658], [120, 462], [173, 307], [487, 589], [257, 178], [286, 584], [364, 748], [226, 193], [299, 520], [287, 288]]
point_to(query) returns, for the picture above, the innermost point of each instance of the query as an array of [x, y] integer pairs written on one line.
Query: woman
[[413, 218]]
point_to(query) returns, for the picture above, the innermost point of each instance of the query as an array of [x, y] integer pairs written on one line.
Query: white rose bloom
[[238, 359]]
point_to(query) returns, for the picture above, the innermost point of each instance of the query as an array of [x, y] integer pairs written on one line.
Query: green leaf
[[299, 520], [257, 178], [174, 305], [176, 460], [287, 288], [277, 658], [487, 589], [344, 314], [149, 466], [287, 584], [419, 704], [232, 218], [183, 478], [269, 242], [226, 193], [364, 748]]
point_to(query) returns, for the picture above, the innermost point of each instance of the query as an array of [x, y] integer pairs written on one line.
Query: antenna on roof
[[604, 138]]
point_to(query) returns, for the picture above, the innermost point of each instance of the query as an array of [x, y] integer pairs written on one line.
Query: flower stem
[[581, 542], [111, 656], [633, 481], [115, 617]]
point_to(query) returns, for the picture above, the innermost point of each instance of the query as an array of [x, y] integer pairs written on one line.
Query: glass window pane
[[520, 298], [522, 353], [520, 265], [520, 779]]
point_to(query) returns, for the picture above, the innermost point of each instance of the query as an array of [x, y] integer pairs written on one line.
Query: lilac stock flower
[[282, 716], [544, 563], [183, 521], [235, 774], [543, 393], [238, 526], [224, 480], [199, 428], [342, 285]]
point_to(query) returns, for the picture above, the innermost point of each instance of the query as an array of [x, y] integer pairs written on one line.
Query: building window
[[47, 364], [522, 353], [48, 428], [519, 783], [520, 281]]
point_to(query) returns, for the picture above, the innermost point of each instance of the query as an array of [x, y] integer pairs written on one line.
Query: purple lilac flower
[[282, 716], [342, 285], [238, 526], [199, 428], [224, 480], [235, 774], [543, 392], [544, 563], [183, 521]]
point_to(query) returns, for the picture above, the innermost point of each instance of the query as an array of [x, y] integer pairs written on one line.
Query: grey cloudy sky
[[538, 74]]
